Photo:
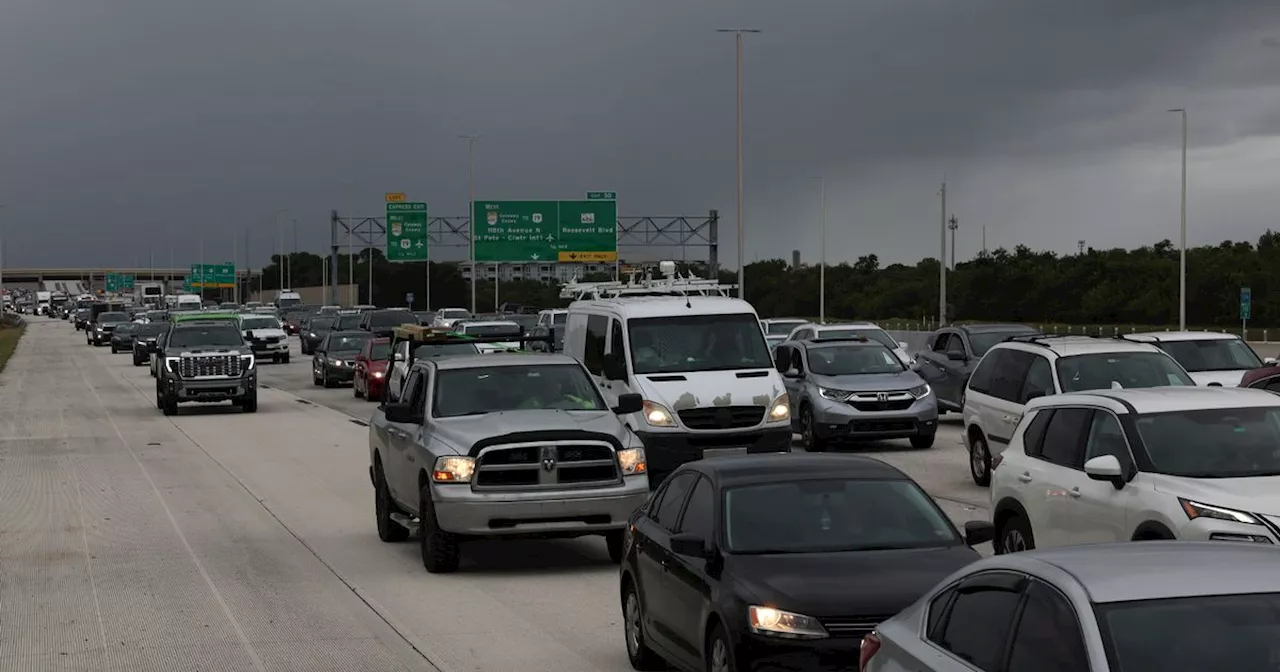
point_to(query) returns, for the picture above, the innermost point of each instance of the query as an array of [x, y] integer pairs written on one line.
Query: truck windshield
[[494, 389], [284, 302], [220, 335], [392, 318], [697, 343], [260, 323], [113, 317]]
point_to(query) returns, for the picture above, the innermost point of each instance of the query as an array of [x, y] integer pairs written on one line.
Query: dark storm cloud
[[128, 124]]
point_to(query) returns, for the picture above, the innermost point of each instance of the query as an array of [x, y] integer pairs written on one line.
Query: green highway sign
[[602, 195], [118, 282], [545, 230], [406, 231], [212, 276], [1246, 303]]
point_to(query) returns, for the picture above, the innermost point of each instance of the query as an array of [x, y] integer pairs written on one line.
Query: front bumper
[[665, 451], [339, 374], [375, 386], [775, 654], [122, 343], [839, 420], [263, 348], [212, 389], [565, 513]]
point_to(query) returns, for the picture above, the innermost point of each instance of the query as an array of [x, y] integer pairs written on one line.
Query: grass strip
[[9, 337]]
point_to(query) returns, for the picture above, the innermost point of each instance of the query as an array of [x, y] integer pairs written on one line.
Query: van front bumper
[[665, 451]]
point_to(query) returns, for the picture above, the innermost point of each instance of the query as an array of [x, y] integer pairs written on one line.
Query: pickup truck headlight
[[920, 392], [779, 623], [780, 409], [632, 461], [453, 469], [657, 415], [169, 362], [247, 361]]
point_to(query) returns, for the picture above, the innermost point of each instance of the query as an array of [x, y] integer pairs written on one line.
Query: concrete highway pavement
[[228, 541]]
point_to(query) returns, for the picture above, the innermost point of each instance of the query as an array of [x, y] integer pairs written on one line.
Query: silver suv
[[854, 389], [1023, 368], [520, 445]]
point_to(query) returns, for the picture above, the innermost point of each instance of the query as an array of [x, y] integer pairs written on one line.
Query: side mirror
[[249, 334], [689, 545], [405, 413], [792, 373], [398, 357], [629, 403], [902, 344], [956, 356], [979, 532], [1105, 468], [614, 368], [1269, 361]]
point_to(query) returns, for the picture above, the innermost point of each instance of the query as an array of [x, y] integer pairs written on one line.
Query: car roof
[[860, 342], [1164, 399], [640, 307], [1154, 336], [734, 470], [1149, 570], [351, 332], [996, 326], [1066, 346], [487, 323], [244, 315], [501, 359]]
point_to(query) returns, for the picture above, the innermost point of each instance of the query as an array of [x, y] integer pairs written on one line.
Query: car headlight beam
[[1197, 510], [453, 469], [632, 461], [780, 409], [778, 623], [657, 415]]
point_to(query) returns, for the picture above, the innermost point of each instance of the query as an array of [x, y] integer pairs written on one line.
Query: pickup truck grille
[[546, 465], [195, 366], [722, 417]]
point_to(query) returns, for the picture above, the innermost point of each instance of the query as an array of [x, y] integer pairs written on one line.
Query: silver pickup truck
[[503, 445]]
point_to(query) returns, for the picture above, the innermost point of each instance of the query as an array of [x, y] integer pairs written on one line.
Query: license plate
[[721, 452]]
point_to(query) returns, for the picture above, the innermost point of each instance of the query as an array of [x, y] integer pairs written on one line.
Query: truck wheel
[[114, 349], [285, 359], [324, 380], [923, 440], [439, 548], [168, 405], [383, 506], [249, 403], [613, 541]]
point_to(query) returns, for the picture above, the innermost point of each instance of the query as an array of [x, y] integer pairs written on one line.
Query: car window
[[1106, 437], [667, 514], [841, 360], [940, 343], [1038, 381], [1006, 380], [1213, 442], [937, 609], [1064, 437], [593, 349], [617, 342], [412, 393], [1047, 637], [699, 514], [1033, 437], [1103, 371], [980, 381], [956, 344], [978, 624], [1218, 354], [1192, 634]]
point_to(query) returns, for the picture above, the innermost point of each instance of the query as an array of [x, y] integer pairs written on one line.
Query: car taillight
[[995, 461], [870, 645]]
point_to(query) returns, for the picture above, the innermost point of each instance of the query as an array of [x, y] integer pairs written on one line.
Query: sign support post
[[1246, 311]]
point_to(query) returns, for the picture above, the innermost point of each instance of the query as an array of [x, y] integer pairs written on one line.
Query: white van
[[189, 302], [696, 355], [288, 298]]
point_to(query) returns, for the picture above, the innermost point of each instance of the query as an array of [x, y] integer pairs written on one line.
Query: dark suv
[[951, 354], [383, 322], [206, 361]]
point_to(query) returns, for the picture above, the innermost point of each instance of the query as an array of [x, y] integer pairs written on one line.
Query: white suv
[[1211, 358], [1189, 463], [812, 331], [1023, 368]]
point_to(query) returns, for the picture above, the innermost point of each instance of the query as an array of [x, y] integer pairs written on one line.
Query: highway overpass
[[95, 276]]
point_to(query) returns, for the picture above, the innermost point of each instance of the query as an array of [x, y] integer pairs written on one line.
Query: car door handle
[[1025, 477], [1074, 492]]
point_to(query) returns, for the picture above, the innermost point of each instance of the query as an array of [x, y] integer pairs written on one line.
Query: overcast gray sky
[[129, 124]]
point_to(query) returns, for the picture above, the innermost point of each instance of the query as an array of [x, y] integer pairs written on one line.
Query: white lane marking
[[195, 559], [88, 559]]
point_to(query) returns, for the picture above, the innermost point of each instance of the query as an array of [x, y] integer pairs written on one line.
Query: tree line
[[1097, 287]]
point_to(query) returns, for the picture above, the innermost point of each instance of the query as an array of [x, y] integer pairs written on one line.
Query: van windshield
[[697, 343]]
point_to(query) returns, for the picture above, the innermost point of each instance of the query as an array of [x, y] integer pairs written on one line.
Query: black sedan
[[334, 361], [122, 337], [144, 341], [314, 331], [780, 561]]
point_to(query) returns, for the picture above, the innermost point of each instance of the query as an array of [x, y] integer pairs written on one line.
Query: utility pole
[[351, 267], [984, 240], [1182, 261], [280, 247], [822, 254], [942, 263], [742, 287], [953, 224], [369, 255], [471, 213], [293, 253], [202, 273]]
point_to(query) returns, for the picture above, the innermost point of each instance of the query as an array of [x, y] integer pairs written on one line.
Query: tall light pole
[[280, 245], [742, 287], [942, 263], [1182, 262], [294, 252], [953, 224], [822, 254], [471, 210]]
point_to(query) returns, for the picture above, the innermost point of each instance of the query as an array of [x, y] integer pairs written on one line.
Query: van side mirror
[[629, 403], [614, 367]]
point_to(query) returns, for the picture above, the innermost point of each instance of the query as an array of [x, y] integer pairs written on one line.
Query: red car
[[371, 369]]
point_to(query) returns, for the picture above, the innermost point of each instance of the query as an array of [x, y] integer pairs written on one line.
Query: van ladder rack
[[646, 285]]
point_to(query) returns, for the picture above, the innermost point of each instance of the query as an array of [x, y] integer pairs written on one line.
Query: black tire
[[324, 380], [639, 654], [114, 349], [315, 379], [285, 359], [389, 530], [1014, 536], [923, 441], [980, 460], [355, 390], [613, 542], [249, 404], [809, 432], [719, 651], [168, 405], [439, 548]]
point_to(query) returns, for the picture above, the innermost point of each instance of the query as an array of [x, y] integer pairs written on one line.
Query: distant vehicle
[[1211, 358], [265, 336], [447, 316], [371, 369], [288, 298], [104, 325], [492, 329], [334, 360], [781, 326], [382, 322], [189, 302]]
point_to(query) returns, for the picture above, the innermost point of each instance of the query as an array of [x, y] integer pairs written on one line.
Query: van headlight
[[632, 461], [920, 392], [657, 415], [453, 469], [780, 409]]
